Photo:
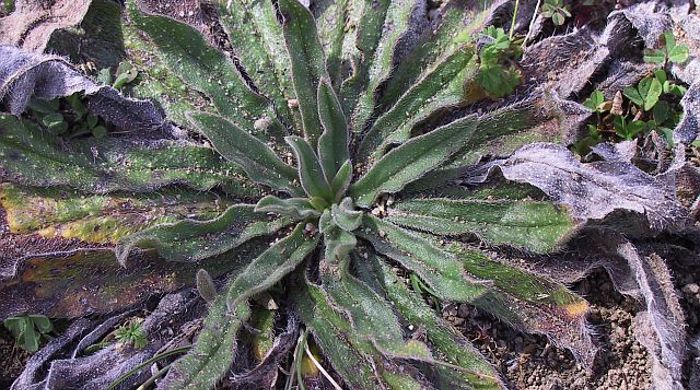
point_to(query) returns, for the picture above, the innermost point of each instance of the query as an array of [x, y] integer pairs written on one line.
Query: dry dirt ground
[[12, 359]]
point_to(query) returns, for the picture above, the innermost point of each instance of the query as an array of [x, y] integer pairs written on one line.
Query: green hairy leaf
[[190, 240], [205, 286], [231, 310], [259, 43], [452, 345], [338, 241], [341, 181], [412, 160], [271, 266], [207, 361], [310, 171], [307, 63], [258, 160], [441, 271], [297, 208], [538, 226], [440, 87], [206, 69], [128, 165], [345, 216], [333, 143]]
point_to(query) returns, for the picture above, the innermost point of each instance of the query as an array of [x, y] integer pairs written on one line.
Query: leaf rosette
[[321, 175]]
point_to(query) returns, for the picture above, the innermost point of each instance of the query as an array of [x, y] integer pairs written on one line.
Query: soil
[[531, 362], [12, 359]]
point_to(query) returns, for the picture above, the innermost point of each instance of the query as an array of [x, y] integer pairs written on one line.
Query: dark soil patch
[[12, 359]]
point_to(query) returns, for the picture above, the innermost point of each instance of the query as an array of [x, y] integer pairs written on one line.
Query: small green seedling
[[46, 112], [132, 333], [667, 85], [8, 6], [646, 94], [628, 129], [85, 123], [596, 102], [28, 329], [72, 122], [125, 74], [671, 52], [496, 76], [556, 10]]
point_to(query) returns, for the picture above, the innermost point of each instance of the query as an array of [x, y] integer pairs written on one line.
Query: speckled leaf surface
[[442, 86], [470, 276], [258, 43], [110, 165], [194, 240], [203, 366], [535, 225], [412, 160], [78, 283], [100, 219], [256, 158], [307, 63], [187, 53], [455, 348]]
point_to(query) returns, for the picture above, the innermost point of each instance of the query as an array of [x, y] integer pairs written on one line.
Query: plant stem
[[154, 377], [325, 373], [298, 358], [532, 23], [150, 361], [512, 23]]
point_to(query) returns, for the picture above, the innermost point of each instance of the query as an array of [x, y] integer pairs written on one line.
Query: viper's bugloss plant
[[321, 178]]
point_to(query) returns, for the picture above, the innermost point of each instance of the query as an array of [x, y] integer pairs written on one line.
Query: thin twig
[[320, 368], [532, 23], [154, 377], [298, 359], [148, 362]]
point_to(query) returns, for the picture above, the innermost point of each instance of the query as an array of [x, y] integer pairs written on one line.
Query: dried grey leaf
[[50, 369], [592, 190], [31, 24], [24, 75]]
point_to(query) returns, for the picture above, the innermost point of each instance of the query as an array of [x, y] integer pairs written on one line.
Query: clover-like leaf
[[676, 53], [646, 94]]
